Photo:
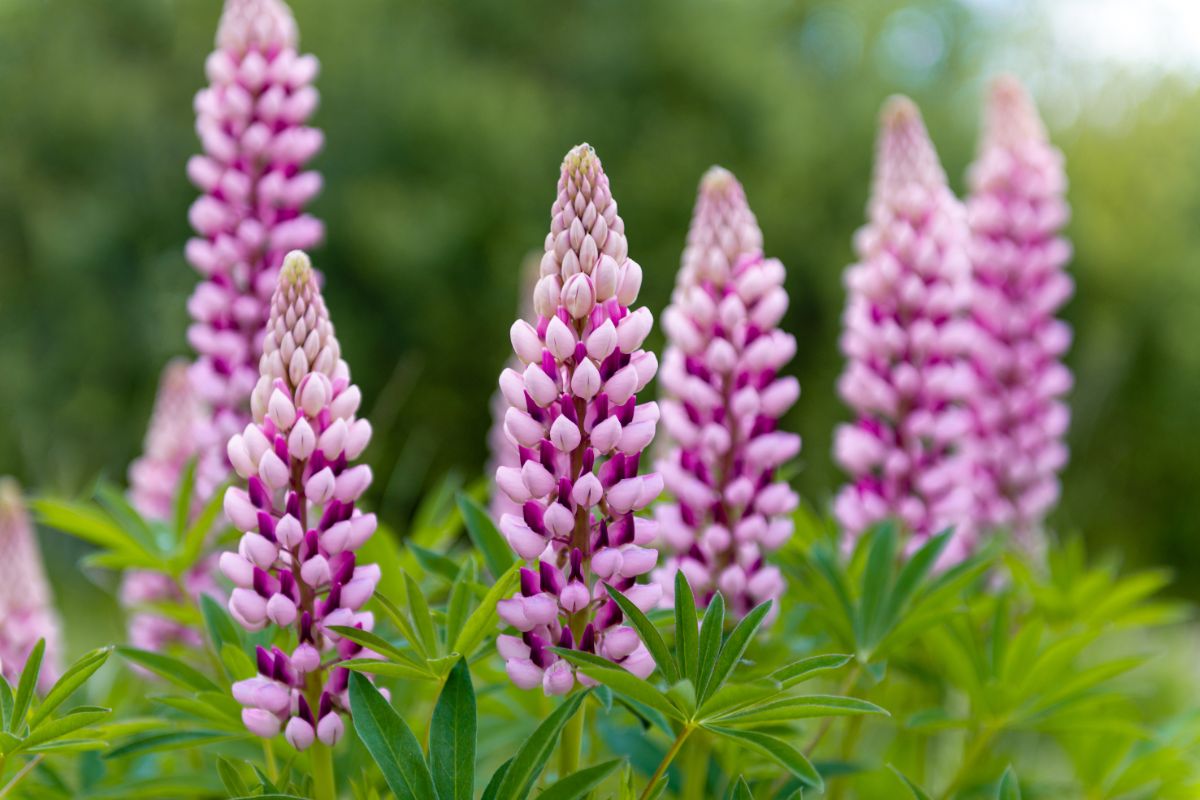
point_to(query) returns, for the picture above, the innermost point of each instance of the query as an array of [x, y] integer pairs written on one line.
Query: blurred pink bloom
[[724, 400], [295, 566], [26, 607], [1016, 210], [906, 336], [579, 433], [251, 122]]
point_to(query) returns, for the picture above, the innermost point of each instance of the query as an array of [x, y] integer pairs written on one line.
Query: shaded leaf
[[390, 742]]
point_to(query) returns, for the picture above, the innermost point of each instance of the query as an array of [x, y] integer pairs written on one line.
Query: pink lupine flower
[[251, 123], [1016, 210], [906, 337], [579, 432], [724, 400], [26, 607], [295, 566], [175, 423]]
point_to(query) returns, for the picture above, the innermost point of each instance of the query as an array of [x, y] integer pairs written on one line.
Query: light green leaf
[[388, 669], [915, 790], [876, 585], [735, 647], [733, 696], [70, 722], [25, 687], [418, 611], [799, 671], [169, 668], [741, 791], [711, 631], [782, 752], [75, 676], [1010, 788], [620, 680], [158, 742], [484, 618], [458, 605], [804, 707], [687, 628]]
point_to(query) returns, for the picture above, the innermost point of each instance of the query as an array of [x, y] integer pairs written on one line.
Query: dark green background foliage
[[445, 124]]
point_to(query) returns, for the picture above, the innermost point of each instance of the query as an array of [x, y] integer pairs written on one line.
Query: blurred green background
[[445, 124]]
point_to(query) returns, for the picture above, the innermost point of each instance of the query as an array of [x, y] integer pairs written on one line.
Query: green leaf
[[911, 575], [876, 584], [915, 790], [197, 533], [169, 668], [401, 621], [124, 514], [418, 611], [220, 627], [434, 562], [218, 707], [711, 631], [497, 556], [458, 605], [650, 635], [231, 779], [782, 752], [159, 741], [236, 663], [620, 680], [25, 687], [87, 522], [388, 669], [800, 671], [390, 742], [735, 647], [70, 722], [741, 791], [6, 702], [483, 619], [183, 495], [531, 758], [373, 641], [683, 695], [1010, 788], [805, 707], [493, 786], [577, 785], [686, 629], [452, 737], [75, 676]]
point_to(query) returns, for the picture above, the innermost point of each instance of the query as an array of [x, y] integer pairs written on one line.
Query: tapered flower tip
[[904, 156], [723, 230], [299, 337], [581, 160], [296, 270], [264, 25], [1011, 118]]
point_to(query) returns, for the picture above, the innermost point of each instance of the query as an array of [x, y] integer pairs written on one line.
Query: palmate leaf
[[483, 619], [876, 584], [733, 696], [70, 722], [170, 668], [422, 620], [162, 741], [804, 707], [799, 671], [25, 687], [390, 742], [452, 737], [75, 676], [734, 648], [711, 631]]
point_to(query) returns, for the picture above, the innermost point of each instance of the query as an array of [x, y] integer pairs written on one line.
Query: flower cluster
[[906, 336], [724, 401], [154, 479], [250, 121], [579, 432], [295, 565], [26, 607], [1016, 210]]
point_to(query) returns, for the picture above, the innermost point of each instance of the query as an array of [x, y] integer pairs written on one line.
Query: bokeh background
[[445, 124]]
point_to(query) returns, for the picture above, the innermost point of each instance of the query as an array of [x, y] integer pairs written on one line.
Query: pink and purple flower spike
[[26, 607], [724, 398], [1016, 210], [906, 338], [251, 122], [579, 431], [295, 566], [154, 478]]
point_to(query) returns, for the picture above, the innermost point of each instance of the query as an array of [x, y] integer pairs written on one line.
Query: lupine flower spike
[[153, 480], [906, 337], [251, 123], [724, 400], [574, 417], [295, 566], [1016, 210], [26, 608]]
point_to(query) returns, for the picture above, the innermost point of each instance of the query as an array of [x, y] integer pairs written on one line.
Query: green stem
[[321, 757], [20, 776], [694, 764], [570, 747], [269, 758], [667, 759]]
